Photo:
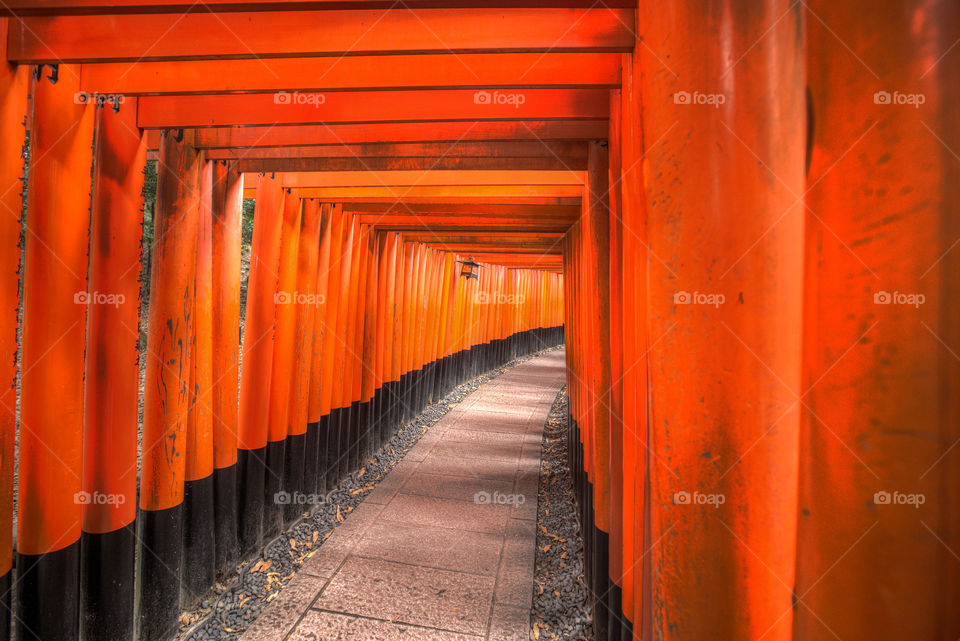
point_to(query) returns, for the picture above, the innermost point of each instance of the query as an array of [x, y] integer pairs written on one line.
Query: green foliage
[[146, 244], [246, 231]]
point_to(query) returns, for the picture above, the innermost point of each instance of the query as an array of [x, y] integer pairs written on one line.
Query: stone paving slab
[[443, 548]]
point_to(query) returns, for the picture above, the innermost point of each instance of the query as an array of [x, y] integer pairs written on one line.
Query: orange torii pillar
[[342, 385], [879, 506], [50, 505], [284, 343], [369, 350], [596, 225], [380, 355], [391, 352], [329, 436], [299, 445], [632, 268], [351, 381], [224, 394], [618, 625], [317, 426], [14, 86], [258, 337], [111, 378], [197, 562], [725, 162], [167, 390]]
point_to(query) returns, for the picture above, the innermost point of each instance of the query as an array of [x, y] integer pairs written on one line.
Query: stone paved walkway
[[443, 548]]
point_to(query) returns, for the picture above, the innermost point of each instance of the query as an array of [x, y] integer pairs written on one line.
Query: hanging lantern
[[468, 270]]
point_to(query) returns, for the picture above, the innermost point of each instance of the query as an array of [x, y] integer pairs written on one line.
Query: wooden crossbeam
[[93, 7], [155, 112], [437, 132], [196, 36], [376, 179], [469, 70]]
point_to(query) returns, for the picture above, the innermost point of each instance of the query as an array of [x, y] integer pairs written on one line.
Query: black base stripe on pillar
[[614, 601], [294, 453], [356, 433], [251, 469], [600, 582], [311, 452], [400, 400], [348, 462], [363, 433], [197, 564], [323, 450], [6, 605], [106, 584], [158, 570], [332, 453], [48, 595], [272, 486], [348, 440], [227, 546], [395, 405]]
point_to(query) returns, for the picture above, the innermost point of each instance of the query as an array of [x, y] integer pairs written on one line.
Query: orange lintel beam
[[416, 163], [437, 192], [444, 202], [92, 7], [292, 33], [156, 112], [576, 151], [441, 191], [438, 132], [428, 178], [477, 70], [448, 228], [477, 221], [523, 211], [505, 236], [512, 249]]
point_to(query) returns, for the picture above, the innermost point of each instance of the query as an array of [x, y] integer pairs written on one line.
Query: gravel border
[[232, 607], [560, 607]]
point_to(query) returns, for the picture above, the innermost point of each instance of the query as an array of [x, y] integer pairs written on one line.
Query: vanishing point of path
[[443, 548]]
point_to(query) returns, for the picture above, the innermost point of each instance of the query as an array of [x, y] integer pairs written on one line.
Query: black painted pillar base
[[251, 469], [294, 454], [48, 595], [323, 454], [6, 605], [311, 458], [158, 564], [272, 486], [227, 548], [197, 565]]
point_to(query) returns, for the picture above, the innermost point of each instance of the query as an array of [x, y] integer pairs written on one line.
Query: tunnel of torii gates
[[738, 215]]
